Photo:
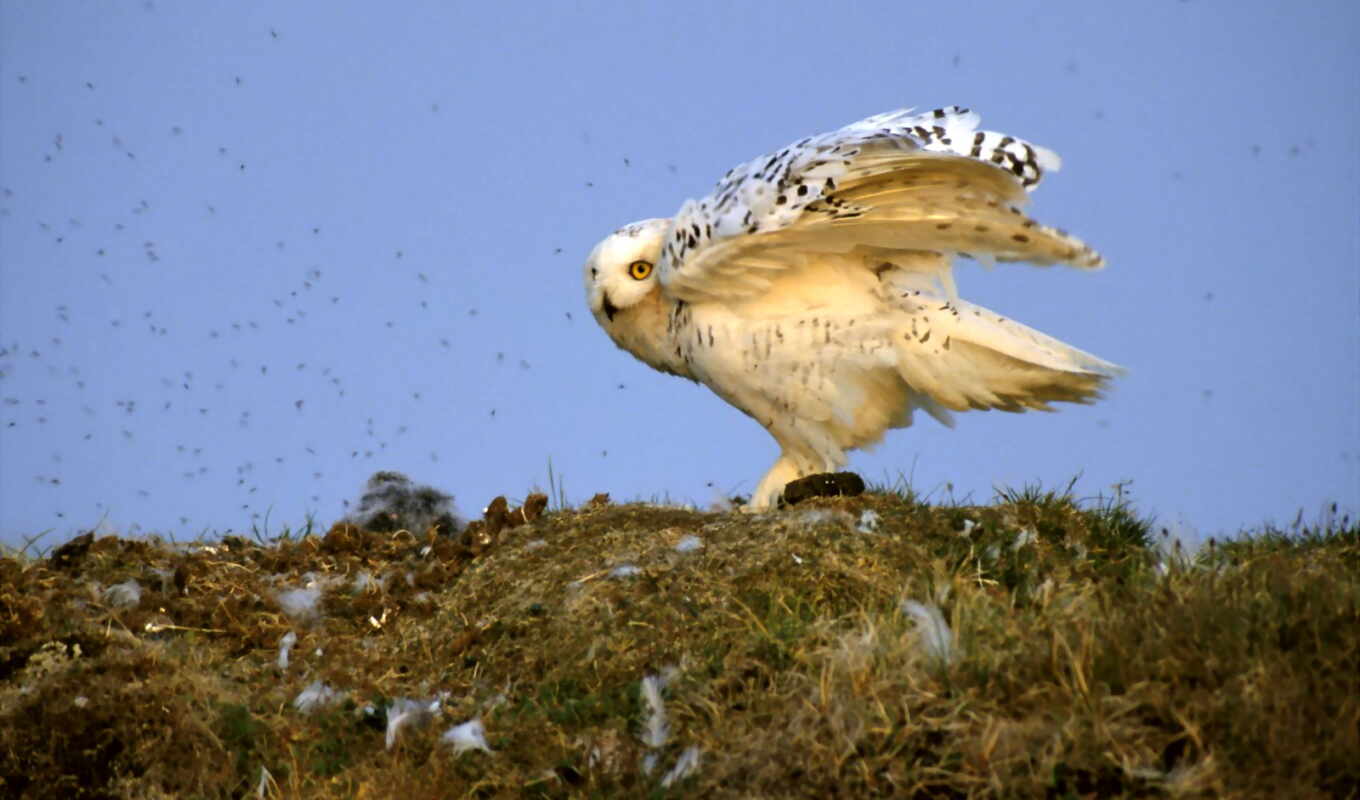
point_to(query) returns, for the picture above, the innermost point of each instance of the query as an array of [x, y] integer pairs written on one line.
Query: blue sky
[[252, 252]]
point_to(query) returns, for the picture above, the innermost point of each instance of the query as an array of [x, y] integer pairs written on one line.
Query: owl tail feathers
[[971, 358]]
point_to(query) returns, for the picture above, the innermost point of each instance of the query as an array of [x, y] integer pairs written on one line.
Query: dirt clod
[[825, 484]]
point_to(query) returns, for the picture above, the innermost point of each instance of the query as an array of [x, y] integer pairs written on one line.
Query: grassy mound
[[868, 646]]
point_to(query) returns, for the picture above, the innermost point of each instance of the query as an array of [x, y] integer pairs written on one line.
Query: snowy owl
[[813, 289]]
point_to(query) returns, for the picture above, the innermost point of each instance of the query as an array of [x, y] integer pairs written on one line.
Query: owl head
[[621, 270]]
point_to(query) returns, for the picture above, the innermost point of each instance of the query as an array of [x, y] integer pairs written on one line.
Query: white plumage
[[813, 289]]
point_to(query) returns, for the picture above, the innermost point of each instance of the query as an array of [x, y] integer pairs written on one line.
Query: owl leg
[[771, 488]]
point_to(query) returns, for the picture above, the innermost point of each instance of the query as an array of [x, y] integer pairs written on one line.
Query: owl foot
[[771, 488]]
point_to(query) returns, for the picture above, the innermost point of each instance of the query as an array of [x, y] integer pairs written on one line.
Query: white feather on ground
[[407, 713], [826, 516], [467, 736], [317, 696], [689, 544], [687, 764], [1177, 545], [286, 643], [127, 594], [364, 581], [301, 605], [655, 728], [936, 637]]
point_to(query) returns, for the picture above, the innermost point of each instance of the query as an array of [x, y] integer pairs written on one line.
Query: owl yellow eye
[[640, 270]]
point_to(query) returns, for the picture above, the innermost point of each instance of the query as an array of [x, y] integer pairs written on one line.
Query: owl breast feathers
[[813, 289]]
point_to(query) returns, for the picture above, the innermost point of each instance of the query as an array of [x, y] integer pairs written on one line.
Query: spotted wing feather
[[895, 182]]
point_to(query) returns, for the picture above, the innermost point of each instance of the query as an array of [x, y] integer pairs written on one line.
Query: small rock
[[69, 555], [182, 579], [494, 518], [533, 507]]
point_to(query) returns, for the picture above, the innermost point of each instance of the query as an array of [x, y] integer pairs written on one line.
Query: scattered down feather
[[303, 606], [686, 765], [407, 713], [127, 594], [317, 696], [936, 637], [655, 728], [689, 543], [467, 736], [286, 643]]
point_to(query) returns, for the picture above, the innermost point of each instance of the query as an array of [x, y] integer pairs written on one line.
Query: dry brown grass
[[1078, 667]]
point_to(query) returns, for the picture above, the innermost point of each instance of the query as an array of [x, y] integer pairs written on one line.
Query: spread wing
[[890, 186]]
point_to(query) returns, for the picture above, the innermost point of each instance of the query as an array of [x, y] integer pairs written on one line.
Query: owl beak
[[609, 308]]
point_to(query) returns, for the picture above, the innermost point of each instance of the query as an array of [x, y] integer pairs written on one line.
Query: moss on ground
[[1078, 663]]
